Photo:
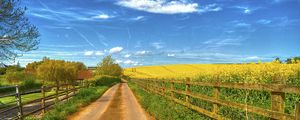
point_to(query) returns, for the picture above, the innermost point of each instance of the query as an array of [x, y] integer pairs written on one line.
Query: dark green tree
[[109, 67], [16, 32]]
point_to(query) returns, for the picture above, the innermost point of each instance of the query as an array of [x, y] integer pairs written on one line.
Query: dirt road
[[118, 103]]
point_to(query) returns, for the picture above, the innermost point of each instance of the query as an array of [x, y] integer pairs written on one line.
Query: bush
[[28, 84], [105, 80]]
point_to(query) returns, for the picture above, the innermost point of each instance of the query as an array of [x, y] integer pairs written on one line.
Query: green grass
[[85, 96], [25, 98], [2, 80], [162, 108]]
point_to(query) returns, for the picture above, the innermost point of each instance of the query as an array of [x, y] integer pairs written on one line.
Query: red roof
[[86, 74]]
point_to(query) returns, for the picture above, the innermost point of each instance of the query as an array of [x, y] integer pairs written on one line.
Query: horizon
[[139, 33]]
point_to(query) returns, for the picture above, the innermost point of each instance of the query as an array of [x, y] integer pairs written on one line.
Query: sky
[[156, 32]]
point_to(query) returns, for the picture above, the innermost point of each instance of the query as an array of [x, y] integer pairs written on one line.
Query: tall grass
[[163, 109]]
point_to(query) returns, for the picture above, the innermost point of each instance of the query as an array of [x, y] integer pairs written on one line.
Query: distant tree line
[[293, 60]]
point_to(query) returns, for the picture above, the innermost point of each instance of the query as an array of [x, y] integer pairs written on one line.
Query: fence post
[[277, 99], [187, 89], [172, 89], [216, 94], [74, 90], [56, 93], [164, 87], [19, 102], [43, 100], [297, 112], [67, 90]]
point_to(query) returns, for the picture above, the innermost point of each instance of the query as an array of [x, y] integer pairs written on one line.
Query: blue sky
[[153, 32]]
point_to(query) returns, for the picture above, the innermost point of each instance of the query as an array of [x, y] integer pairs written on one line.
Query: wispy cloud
[[264, 21], [170, 55], [241, 24], [137, 18], [99, 53], [160, 6], [143, 52], [157, 45], [210, 8], [88, 53], [246, 9], [127, 55], [61, 46], [57, 15], [103, 16], [219, 43], [115, 50]]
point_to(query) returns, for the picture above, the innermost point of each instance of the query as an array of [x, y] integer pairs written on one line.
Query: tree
[[59, 71], [293, 60], [14, 76], [108, 67], [277, 60], [16, 32], [31, 68]]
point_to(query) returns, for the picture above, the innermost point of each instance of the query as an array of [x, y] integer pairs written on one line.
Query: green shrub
[[28, 84], [104, 80]]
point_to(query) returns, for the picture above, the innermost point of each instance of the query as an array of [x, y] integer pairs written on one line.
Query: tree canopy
[[16, 32], [109, 67], [59, 71]]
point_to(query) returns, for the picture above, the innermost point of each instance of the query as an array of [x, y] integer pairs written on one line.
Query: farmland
[[237, 73], [159, 80]]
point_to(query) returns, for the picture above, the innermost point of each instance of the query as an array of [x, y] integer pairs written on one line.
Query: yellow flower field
[[239, 73]]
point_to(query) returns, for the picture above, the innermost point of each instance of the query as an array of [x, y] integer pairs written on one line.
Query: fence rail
[[277, 95], [15, 109]]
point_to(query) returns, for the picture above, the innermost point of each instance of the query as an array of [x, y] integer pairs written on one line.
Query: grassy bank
[[84, 97], [162, 108]]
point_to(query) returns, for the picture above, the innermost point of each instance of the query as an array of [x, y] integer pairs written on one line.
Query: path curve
[[117, 103]]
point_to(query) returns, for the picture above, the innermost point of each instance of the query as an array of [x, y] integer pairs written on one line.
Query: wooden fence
[[277, 97], [15, 109]]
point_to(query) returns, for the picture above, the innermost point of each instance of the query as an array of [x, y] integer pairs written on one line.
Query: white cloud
[[160, 6], [157, 45], [115, 50], [88, 53], [171, 55], [252, 58], [246, 10], [242, 25], [127, 55], [99, 53], [103, 16], [264, 21], [130, 62], [142, 52], [138, 18], [210, 8], [118, 61]]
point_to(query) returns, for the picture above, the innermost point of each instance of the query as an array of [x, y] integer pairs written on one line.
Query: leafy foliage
[[59, 71], [16, 32], [108, 67], [13, 76], [105, 80]]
